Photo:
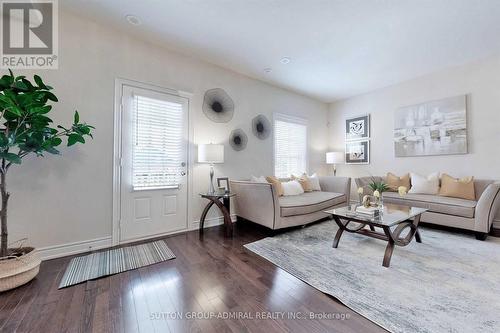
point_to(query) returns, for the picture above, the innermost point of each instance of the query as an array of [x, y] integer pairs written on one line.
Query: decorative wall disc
[[238, 139], [218, 106], [261, 127]]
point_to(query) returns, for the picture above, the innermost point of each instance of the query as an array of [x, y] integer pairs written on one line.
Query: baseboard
[[62, 250], [211, 222]]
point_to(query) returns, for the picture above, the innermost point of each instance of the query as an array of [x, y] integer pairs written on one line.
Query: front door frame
[[117, 135]]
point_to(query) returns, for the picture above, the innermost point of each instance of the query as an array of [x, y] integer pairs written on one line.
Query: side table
[[224, 207]]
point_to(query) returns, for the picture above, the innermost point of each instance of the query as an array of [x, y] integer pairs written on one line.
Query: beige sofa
[[259, 202], [476, 215]]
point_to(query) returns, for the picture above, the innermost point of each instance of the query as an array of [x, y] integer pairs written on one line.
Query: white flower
[[360, 190], [376, 194], [402, 190]]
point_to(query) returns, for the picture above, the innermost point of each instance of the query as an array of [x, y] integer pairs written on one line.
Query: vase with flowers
[[378, 188]]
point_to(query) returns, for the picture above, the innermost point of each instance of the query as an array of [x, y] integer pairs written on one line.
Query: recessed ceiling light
[[132, 19], [285, 60], [268, 70]]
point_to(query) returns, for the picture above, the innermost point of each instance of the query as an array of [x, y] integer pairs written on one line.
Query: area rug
[[115, 261], [449, 283]]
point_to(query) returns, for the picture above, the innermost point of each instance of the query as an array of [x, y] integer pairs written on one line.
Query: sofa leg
[[481, 235]]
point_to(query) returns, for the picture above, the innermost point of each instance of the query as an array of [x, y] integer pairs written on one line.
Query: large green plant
[[25, 129]]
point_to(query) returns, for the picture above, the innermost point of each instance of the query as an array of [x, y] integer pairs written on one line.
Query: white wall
[[62, 199], [480, 81]]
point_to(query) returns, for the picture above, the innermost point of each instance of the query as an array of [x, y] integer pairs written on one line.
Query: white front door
[[154, 147]]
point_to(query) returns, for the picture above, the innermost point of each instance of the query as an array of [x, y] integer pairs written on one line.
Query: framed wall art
[[431, 128], [357, 128], [357, 152]]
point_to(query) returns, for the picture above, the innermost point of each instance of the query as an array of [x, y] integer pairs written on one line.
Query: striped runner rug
[[115, 261]]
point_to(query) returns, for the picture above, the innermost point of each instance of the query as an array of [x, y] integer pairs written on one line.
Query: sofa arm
[[336, 184], [486, 208], [256, 202]]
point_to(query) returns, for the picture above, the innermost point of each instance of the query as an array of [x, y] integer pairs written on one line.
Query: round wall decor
[[261, 127], [218, 106], [238, 139]]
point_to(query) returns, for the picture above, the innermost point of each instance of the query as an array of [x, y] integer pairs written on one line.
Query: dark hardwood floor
[[210, 276]]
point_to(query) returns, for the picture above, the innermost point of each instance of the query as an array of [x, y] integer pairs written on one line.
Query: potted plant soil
[[25, 128]]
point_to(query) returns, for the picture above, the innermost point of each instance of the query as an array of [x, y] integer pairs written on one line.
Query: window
[[158, 143], [290, 145]]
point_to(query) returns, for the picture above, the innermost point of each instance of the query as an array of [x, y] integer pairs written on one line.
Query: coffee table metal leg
[[390, 246], [388, 253], [417, 236], [337, 238], [339, 232]]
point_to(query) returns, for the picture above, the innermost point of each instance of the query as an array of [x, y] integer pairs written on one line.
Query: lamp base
[[211, 189]]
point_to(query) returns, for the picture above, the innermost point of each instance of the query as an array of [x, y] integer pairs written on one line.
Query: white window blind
[[158, 143], [290, 146]]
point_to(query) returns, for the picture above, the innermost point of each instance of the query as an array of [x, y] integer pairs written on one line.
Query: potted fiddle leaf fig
[[25, 129]]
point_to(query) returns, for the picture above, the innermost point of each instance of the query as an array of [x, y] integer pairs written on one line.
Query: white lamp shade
[[334, 157], [210, 153]]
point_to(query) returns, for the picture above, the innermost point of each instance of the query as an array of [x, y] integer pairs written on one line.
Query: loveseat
[[476, 215], [260, 203]]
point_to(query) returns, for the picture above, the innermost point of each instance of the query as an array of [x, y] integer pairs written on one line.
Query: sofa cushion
[[309, 202], [457, 187], [276, 183], [424, 184], [395, 182], [304, 182], [292, 187], [435, 203]]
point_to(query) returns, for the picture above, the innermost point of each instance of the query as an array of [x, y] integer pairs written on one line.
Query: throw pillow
[[292, 187], [260, 179], [314, 181], [458, 188], [276, 183], [424, 185], [394, 182], [304, 182]]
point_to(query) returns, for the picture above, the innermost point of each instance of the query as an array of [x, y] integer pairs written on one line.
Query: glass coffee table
[[392, 219]]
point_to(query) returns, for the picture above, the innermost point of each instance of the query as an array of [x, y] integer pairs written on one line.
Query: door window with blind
[[290, 145], [157, 158]]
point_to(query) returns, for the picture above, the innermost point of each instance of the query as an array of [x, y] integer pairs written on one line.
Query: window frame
[[295, 120]]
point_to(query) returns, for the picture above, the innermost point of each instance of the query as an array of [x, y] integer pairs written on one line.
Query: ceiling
[[338, 48]]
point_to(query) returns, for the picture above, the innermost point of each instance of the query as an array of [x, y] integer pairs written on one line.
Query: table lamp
[[334, 157], [211, 154]]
